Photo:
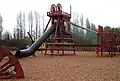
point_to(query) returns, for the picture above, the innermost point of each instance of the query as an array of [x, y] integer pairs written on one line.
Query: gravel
[[83, 67]]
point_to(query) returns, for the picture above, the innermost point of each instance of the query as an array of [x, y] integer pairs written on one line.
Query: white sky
[[103, 12]]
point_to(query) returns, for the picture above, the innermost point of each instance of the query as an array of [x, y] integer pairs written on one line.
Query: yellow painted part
[[43, 46]]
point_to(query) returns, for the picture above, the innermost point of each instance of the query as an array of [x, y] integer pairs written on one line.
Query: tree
[[36, 22], [30, 20], [39, 25], [81, 31], [21, 25], [14, 34], [87, 24], [72, 26], [18, 33], [107, 29], [7, 35], [116, 30], [88, 33], [17, 29], [1, 27], [75, 30], [43, 23], [81, 20], [93, 35], [24, 29], [93, 27]]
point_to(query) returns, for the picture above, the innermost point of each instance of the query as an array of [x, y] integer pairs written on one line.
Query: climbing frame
[[61, 40]]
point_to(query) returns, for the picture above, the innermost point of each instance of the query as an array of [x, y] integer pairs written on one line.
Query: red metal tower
[[61, 39]]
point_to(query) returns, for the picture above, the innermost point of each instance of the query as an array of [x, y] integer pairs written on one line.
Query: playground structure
[[107, 41], [11, 68], [57, 39], [57, 29], [61, 39]]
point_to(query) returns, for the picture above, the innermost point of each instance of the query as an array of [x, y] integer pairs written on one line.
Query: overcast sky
[[103, 12]]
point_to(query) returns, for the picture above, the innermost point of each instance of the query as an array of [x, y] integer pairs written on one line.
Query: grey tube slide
[[32, 49]]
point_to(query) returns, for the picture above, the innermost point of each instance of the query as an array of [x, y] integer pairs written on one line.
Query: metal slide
[[32, 49]]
